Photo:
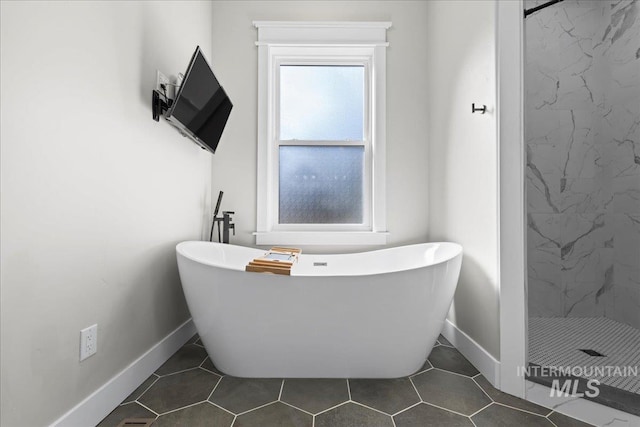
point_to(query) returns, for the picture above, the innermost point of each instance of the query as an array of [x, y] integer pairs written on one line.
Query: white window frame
[[321, 43]]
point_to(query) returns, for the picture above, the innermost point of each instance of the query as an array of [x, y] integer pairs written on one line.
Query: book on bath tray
[[277, 260]]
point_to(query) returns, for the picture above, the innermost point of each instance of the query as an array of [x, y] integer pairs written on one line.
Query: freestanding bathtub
[[365, 315]]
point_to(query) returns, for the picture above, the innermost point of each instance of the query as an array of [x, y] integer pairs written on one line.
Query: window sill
[[321, 238]]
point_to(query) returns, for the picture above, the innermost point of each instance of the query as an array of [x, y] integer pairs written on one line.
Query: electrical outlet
[[88, 341], [161, 79]]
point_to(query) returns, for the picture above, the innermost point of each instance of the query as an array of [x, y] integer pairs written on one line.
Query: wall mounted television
[[201, 107]]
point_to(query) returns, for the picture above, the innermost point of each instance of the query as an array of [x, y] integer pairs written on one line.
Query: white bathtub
[[366, 315]]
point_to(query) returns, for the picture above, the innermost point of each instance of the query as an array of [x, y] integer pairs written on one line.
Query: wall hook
[[475, 109]]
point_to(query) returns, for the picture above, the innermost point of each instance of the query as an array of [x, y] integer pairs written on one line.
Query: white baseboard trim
[[101, 402], [474, 352]]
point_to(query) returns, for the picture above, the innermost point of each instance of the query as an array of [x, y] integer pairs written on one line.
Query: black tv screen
[[201, 107]]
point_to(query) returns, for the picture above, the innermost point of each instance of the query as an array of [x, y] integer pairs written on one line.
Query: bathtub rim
[[457, 251]]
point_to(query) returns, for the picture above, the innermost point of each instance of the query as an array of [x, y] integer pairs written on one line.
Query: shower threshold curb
[[609, 396]]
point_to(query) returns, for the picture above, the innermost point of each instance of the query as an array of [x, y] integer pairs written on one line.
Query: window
[[321, 125]]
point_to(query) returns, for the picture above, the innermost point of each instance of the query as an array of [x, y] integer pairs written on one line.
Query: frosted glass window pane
[[321, 184], [321, 103]]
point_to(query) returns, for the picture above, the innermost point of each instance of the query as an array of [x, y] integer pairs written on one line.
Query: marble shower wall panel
[[582, 131]]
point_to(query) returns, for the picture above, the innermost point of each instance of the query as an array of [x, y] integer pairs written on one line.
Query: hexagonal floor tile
[[129, 410], [509, 400], [497, 415], [388, 395], [442, 340], [427, 365], [450, 359], [141, 388], [239, 395], [178, 390], [424, 414], [450, 391], [352, 415], [202, 415], [188, 357], [315, 395], [275, 414], [209, 366]]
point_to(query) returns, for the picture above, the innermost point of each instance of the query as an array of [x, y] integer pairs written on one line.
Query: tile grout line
[[333, 407], [410, 407], [454, 373], [369, 407], [146, 389], [178, 372], [483, 390], [214, 387], [281, 388], [522, 410], [416, 389], [349, 389], [295, 407], [147, 408], [482, 409], [420, 372], [182, 407], [218, 406], [551, 421], [509, 406], [445, 409], [256, 408]]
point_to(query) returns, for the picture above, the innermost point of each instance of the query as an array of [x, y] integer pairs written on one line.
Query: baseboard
[[474, 352], [101, 402]]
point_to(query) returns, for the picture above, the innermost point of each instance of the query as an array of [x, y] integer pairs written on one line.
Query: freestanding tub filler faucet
[[225, 219], [227, 225]]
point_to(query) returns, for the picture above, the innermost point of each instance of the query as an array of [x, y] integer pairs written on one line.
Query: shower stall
[[582, 136]]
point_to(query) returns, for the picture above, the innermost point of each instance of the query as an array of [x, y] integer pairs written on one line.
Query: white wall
[[95, 194], [235, 61], [463, 157]]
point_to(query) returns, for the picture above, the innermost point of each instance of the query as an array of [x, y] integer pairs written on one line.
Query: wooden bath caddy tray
[[277, 261]]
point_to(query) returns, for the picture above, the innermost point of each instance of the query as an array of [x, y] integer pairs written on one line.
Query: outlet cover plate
[[88, 341], [163, 79]]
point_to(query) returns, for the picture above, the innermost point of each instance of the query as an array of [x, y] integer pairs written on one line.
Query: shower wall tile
[[559, 66], [547, 267], [627, 305], [567, 143], [627, 248], [582, 133], [626, 198], [543, 231], [580, 234], [543, 192], [546, 299], [593, 266], [584, 299], [586, 195]]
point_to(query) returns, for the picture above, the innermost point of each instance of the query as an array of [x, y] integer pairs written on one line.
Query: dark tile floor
[[447, 391]]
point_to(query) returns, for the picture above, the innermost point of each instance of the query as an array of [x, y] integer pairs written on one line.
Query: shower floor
[[560, 343]]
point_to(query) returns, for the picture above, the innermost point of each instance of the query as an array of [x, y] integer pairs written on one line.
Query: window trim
[[357, 43]]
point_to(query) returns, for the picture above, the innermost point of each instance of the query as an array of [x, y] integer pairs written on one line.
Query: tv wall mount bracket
[[161, 97]]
